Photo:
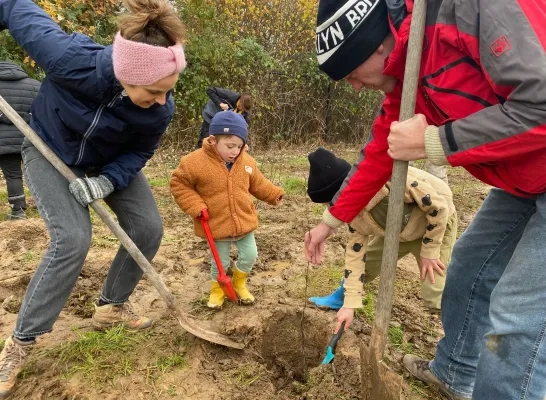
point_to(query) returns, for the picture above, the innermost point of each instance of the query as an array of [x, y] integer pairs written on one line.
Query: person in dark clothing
[[19, 91], [223, 100], [103, 111]]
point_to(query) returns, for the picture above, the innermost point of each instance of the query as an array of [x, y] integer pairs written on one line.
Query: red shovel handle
[[204, 217], [222, 279]]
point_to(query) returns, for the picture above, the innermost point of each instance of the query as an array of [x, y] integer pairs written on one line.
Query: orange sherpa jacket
[[202, 180]]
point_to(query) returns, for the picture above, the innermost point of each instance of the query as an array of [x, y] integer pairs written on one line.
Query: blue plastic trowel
[[331, 350]]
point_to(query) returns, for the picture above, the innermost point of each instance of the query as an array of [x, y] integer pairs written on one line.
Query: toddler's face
[[229, 147]]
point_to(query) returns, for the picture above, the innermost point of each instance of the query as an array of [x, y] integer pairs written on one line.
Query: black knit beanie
[[348, 33], [326, 174]]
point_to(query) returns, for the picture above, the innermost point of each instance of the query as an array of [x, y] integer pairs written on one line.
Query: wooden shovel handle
[[398, 183], [125, 240]]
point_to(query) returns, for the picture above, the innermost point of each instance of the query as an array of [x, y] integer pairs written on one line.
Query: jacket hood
[[11, 72]]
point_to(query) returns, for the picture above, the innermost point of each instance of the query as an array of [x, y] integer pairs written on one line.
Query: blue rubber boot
[[333, 301]]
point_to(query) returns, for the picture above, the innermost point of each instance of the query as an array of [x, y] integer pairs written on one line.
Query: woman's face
[[147, 95]]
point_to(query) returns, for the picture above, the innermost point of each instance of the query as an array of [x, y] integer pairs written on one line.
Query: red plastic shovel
[[222, 279]]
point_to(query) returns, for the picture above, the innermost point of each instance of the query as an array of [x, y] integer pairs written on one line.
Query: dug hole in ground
[[76, 362]]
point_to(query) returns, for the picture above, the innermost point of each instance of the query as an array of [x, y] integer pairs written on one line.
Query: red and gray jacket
[[483, 83]]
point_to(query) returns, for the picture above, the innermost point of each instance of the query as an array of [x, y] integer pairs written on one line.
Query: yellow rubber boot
[[239, 284], [216, 299]]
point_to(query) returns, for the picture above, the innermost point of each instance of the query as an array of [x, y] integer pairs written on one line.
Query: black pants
[[203, 134], [11, 168]]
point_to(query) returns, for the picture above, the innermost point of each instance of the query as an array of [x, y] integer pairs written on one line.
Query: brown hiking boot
[[419, 368], [11, 363], [111, 315]]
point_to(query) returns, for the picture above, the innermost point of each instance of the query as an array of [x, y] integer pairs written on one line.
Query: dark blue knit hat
[[229, 123]]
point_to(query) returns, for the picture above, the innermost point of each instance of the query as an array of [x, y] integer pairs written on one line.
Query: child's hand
[[344, 314], [204, 214], [428, 266], [224, 106], [315, 242]]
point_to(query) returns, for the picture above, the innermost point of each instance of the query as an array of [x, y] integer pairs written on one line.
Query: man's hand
[[428, 266], [224, 106], [85, 190], [407, 139], [314, 242], [344, 314]]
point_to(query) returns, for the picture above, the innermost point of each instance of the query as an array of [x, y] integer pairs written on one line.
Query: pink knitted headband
[[138, 63]]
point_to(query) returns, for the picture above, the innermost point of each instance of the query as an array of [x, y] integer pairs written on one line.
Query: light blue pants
[[247, 252], [494, 303]]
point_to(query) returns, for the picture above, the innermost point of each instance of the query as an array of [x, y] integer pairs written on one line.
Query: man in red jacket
[[481, 104]]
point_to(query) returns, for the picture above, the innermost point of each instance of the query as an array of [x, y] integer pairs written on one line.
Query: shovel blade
[[190, 325], [378, 381], [329, 356]]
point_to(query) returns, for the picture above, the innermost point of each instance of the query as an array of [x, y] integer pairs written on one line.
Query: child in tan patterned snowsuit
[[428, 231]]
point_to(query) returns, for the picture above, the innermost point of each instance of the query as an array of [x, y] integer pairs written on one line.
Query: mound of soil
[[23, 235], [326, 382], [281, 360]]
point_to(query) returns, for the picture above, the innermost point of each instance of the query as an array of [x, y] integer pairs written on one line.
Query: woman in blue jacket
[[102, 110]]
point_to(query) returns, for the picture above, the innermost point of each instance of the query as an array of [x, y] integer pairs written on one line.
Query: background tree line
[[265, 47]]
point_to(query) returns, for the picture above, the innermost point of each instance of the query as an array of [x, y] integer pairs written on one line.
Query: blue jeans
[[494, 303], [69, 226], [247, 252]]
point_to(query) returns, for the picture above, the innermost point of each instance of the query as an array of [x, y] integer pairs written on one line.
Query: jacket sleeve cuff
[[195, 212], [330, 220], [352, 301], [433, 253], [112, 180], [433, 146], [278, 196]]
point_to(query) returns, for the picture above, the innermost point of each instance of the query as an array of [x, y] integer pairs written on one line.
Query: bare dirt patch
[[168, 362]]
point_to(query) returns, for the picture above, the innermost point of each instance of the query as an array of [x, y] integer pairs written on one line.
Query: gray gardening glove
[[85, 190]]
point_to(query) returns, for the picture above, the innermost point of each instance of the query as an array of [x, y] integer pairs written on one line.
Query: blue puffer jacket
[[81, 112]]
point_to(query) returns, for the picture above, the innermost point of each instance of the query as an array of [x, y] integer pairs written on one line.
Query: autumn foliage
[[265, 47]]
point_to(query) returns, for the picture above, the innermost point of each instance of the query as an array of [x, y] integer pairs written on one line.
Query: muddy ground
[[285, 337]]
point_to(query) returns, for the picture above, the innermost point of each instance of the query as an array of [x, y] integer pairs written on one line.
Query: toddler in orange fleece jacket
[[220, 177]]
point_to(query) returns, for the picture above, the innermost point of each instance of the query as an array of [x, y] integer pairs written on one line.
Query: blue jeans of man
[[494, 303], [69, 227]]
